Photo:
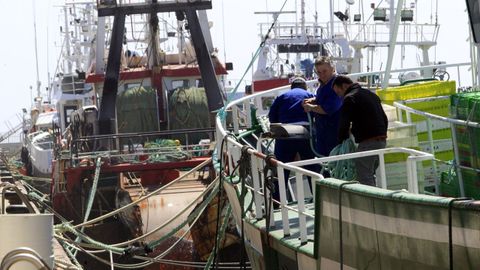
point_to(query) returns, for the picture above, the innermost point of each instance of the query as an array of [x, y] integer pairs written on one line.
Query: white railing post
[[381, 168], [409, 117], [458, 76], [271, 204], [412, 175], [230, 156], [456, 162], [302, 220], [432, 151], [248, 111], [256, 188], [235, 119], [409, 176], [400, 114], [283, 200], [312, 182]]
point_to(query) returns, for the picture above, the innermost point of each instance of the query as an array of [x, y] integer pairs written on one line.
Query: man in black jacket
[[362, 110]]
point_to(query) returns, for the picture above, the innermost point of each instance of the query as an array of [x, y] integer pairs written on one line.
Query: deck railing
[[403, 107], [241, 110]]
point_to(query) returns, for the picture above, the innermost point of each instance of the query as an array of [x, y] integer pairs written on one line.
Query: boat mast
[[67, 41], [302, 36], [152, 50], [332, 34], [393, 39], [37, 101], [100, 46]]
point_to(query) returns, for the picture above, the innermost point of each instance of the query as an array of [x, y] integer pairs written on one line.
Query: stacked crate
[[465, 106], [441, 131], [399, 135]]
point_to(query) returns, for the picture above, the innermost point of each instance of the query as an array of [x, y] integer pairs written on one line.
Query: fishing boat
[[133, 183], [403, 222], [349, 34], [66, 93]]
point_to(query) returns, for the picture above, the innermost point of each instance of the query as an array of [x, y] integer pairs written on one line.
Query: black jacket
[[363, 109]]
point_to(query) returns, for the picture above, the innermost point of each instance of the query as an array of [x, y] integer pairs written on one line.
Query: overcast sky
[[235, 28]]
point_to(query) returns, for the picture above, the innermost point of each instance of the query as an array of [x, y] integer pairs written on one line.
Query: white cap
[[298, 80]]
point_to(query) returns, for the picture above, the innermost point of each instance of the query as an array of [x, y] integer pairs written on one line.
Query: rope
[[93, 189], [174, 153], [159, 190], [71, 255], [193, 216], [196, 212], [268, 189], [244, 168], [154, 243], [91, 196], [69, 228], [219, 238], [217, 225], [312, 135], [342, 169], [149, 260]]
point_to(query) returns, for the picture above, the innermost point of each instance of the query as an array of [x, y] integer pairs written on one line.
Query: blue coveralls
[[326, 125], [287, 108]]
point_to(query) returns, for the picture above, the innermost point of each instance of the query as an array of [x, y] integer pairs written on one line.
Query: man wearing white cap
[[287, 108]]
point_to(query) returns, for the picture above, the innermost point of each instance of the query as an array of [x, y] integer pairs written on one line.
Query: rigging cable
[[222, 111]]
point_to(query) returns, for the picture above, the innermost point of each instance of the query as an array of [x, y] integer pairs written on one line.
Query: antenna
[[49, 83]]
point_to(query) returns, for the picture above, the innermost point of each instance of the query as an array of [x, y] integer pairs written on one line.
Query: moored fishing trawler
[[151, 142], [356, 36], [341, 224], [133, 184]]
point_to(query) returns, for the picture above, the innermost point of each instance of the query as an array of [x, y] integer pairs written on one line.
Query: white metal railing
[[408, 33], [258, 99], [242, 109], [290, 30], [356, 33], [258, 162], [234, 150], [411, 163], [189, 151], [408, 110], [455, 66]]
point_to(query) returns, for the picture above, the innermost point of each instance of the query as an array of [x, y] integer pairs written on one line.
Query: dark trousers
[[286, 151], [366, 166]]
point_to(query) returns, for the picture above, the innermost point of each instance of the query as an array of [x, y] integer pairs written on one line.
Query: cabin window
[[132, 85], [67, 111], [180, 84]]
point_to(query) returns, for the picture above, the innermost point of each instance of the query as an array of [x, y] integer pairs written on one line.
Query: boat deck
[[292, 241]]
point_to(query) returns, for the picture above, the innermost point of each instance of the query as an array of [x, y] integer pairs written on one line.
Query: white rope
[[159, 190]]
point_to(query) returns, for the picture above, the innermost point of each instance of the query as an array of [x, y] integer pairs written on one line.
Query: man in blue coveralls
[[326, 107], [287, 108]]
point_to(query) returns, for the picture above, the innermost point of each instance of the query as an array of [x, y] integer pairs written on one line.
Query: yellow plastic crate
[[420, 90]]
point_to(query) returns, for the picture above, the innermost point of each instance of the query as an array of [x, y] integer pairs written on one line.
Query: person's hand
[[307, 107], [309, 100]]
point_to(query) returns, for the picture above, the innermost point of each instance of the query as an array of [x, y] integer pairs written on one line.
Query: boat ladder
[[11, 131]]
